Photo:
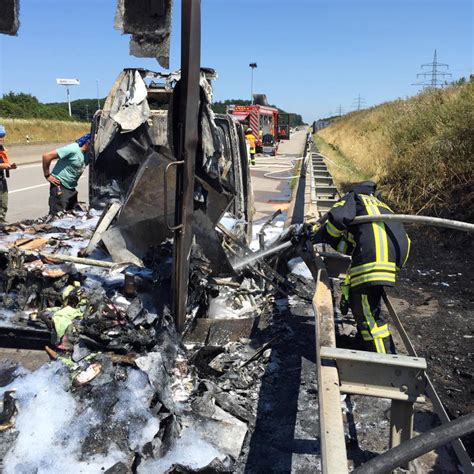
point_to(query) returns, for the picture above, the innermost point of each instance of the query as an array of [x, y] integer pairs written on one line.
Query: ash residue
[[434, 300]]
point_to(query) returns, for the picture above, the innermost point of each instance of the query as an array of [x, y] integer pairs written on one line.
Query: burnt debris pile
[[123, 391]]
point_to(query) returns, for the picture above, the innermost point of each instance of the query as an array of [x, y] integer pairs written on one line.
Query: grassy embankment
[[420, 150], [53, 131]]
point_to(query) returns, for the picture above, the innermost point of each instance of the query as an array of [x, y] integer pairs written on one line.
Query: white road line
[[33, 187], [27, 189], [27, 166]]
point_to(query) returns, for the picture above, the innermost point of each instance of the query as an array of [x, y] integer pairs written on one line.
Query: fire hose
[[416, 447], [433, 221], [425, 220]]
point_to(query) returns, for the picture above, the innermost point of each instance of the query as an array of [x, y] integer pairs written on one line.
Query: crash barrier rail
[[400, 378]]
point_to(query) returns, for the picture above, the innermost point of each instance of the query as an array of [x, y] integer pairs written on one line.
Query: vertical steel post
[[68, 101], [251, 85], [188, 111], [401, 423]]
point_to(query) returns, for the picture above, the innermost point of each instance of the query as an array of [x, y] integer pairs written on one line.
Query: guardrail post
[[401, 423]]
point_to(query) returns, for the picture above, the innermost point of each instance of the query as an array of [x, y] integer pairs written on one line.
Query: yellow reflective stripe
[[408, 251], [367, 336], [339, 203], [381, 204], [379, 346], [367, 267], [380, 235], [368, 313], [379, 276], [332, 229], [380, 331]]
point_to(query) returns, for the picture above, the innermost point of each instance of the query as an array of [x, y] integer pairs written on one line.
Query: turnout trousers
[[365, 304]]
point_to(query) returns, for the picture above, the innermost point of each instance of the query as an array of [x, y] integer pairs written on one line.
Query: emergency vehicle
[[264, 122]]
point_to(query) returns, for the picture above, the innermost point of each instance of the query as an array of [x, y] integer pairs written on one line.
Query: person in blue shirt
[[72, 160]]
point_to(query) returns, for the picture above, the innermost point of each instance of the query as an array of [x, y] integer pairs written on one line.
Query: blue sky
[[312, 55]]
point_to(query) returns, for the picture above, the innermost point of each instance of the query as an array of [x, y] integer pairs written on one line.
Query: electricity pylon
[[435, 77]]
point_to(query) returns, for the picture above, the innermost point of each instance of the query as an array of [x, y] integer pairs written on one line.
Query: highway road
[[28, 190]]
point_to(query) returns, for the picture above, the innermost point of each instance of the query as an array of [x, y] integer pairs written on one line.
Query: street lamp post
[[252, 66], [67, 83]]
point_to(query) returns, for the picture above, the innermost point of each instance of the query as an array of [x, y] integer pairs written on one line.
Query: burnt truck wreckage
[[133, 163]]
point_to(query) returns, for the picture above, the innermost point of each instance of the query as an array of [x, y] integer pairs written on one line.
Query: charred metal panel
[[130, 167], [232, 163], [9, 22], [159, 127], [149, 23], [125, 109], [143, 219]]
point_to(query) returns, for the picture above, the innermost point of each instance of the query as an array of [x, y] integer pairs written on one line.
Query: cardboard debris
[[30, 243]]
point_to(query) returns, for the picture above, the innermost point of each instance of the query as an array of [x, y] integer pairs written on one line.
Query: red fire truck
[[264, 122]]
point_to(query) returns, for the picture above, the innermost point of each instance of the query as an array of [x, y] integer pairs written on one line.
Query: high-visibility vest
[[4, 156], [250, 137], [379, 249]]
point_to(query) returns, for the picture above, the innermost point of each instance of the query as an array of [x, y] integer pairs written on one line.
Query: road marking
[[27, 189], [28, 165], [33, 187]]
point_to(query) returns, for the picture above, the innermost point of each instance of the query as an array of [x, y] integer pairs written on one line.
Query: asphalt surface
[[28, 189], [270, 192]]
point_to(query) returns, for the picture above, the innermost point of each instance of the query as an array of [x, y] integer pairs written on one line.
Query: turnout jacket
[[379, 249]]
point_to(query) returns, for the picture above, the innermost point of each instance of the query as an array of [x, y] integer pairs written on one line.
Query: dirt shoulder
[[434, 299]]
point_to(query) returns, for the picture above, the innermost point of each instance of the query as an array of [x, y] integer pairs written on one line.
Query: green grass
[[296, 173], [342, 168]]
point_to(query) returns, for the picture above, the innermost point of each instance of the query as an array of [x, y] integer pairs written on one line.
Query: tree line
[[221, 108], [27, 106]]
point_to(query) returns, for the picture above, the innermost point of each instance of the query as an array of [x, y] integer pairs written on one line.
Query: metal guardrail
[[400, 378]]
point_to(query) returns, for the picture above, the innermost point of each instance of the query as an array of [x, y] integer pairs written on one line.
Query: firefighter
[[251, 140], [5, 167], [379, 250]]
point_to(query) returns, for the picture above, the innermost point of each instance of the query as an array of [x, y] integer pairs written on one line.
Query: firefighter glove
[[344, 303]]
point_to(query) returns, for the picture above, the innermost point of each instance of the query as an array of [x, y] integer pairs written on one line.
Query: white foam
[[272, 231], [221, 306], [189, 450], [52, 425]]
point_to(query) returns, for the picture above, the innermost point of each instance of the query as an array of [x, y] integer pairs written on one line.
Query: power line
[[340, 110], [434, 77], [358, 103]]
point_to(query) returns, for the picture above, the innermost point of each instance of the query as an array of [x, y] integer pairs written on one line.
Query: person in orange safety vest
[[5, 167]]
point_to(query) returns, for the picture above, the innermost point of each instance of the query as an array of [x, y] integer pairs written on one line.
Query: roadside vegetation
[[27, 106], [420, 150], [40, 131]]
